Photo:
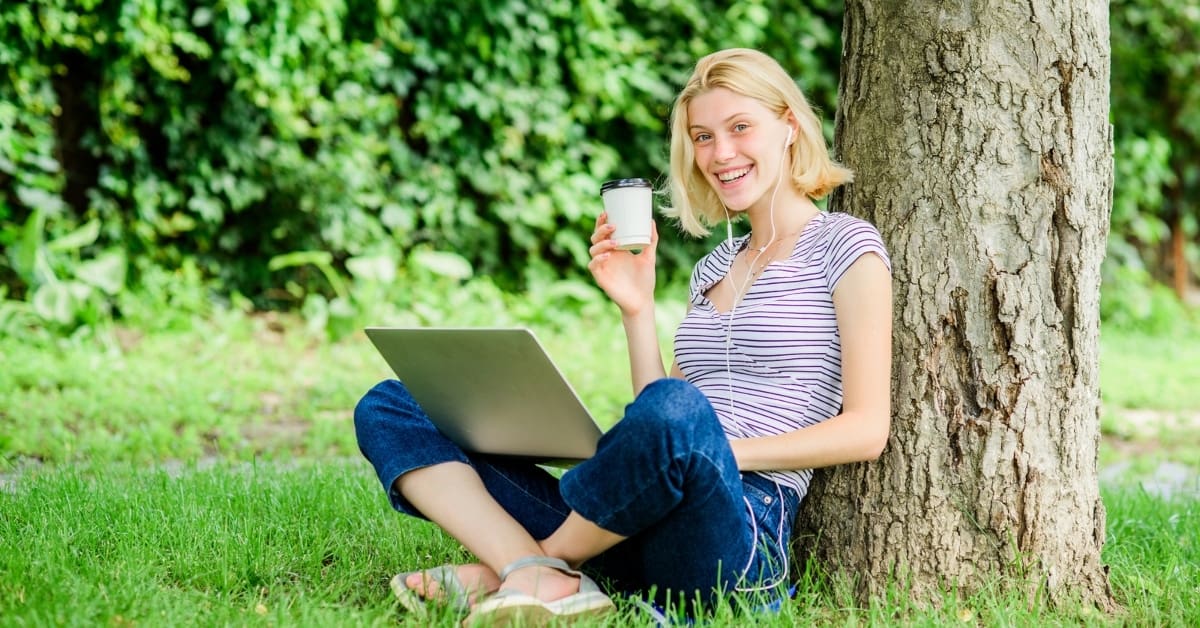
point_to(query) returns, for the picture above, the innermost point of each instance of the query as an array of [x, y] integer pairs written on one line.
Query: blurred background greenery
[[162, 158]]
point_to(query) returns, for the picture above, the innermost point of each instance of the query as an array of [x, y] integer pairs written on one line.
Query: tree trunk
[[73, 86], [1179, 265], [980, 138]]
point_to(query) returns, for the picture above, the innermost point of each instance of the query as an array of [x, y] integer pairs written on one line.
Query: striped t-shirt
[[784, 362]]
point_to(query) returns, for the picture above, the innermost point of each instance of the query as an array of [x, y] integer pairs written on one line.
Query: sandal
[[503, 607], [455, 594]]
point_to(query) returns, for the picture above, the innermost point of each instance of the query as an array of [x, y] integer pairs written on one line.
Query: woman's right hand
[[627, 278]]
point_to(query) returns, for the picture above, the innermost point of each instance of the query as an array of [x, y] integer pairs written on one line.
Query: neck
[[787, 220]]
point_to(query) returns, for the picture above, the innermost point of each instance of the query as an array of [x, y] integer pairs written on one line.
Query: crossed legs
[[664, 476], [453, 495]]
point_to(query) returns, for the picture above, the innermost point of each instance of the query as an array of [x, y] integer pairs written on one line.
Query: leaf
[[29, 254], [443, 263], [106, 272], [300, 258], [381, 268], [40, 199], [77, 239], [59, 301], [323, 260], [315, 312], [24, 253], [342, 308]]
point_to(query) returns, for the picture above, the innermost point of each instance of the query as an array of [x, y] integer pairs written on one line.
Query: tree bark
[[980, 138], [73, 85], [1179, 265]]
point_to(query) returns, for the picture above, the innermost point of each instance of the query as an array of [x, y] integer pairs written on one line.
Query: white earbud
[[788, 141]]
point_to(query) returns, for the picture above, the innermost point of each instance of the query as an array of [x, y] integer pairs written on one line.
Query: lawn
[[209, 476]]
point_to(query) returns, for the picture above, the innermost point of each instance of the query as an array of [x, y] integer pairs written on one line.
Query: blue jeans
[[664, 476]]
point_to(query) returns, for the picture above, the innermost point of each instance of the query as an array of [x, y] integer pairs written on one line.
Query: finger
[[597, 262], [601, 218], [653, 238], [602, 233], [603, 246]]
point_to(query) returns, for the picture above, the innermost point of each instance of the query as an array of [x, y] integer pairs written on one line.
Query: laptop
[[492, 391]]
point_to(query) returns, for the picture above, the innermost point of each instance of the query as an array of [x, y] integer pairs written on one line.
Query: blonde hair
[[755, 75]]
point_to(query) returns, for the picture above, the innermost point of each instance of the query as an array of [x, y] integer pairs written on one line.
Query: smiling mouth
[[733, 175]]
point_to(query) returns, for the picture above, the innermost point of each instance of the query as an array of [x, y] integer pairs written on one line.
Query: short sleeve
[[851, 239], [710, 269], [694, 282]]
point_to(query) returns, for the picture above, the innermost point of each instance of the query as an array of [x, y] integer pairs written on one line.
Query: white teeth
[[726, 177]]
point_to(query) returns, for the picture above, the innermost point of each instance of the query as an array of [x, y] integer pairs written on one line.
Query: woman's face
[[739, 145]]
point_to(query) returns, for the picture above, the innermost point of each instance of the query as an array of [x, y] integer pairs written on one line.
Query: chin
[[738, 205], [740, 201]]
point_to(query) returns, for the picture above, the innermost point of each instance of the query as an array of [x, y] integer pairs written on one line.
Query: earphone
[[737, 296], [734, 422]]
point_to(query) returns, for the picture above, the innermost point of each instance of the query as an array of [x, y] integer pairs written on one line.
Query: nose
[[723, 149]]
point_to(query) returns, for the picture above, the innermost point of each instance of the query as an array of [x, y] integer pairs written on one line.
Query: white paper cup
[[627, 202]]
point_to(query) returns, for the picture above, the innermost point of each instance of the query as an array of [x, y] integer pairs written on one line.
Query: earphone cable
[[739, 292]]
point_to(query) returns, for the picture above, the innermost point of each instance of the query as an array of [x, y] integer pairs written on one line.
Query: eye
[[700, 138], [741, 127]]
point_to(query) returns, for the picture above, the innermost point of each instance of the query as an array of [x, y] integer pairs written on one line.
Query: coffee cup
[[627, 203]]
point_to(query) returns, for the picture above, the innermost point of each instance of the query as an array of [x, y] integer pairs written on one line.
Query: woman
[[781, 366]]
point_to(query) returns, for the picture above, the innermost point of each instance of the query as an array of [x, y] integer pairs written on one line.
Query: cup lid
[[613, 184]]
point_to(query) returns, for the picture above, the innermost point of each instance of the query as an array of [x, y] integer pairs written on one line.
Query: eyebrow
[[736, 115]]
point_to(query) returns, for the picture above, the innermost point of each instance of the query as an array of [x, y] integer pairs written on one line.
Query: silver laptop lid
[[491, 391]]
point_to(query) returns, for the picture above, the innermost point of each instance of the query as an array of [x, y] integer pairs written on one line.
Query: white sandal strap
[[537, 561], [585, 583]]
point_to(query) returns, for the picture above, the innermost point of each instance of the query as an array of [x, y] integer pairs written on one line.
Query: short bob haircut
[[753, 74]]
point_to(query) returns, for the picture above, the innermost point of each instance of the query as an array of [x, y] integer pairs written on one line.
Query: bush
[[218, 138]]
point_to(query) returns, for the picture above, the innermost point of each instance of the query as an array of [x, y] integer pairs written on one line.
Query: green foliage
[[235, 139], [66, 290], [1156, 117], [219, 145], [1132, 301]]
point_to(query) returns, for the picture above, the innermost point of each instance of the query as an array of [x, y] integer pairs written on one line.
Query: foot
[[537, 590], [479, 581], [544, 583]]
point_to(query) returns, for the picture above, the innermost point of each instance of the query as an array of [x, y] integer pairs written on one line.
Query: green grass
[[209, 476], [1153, 552], [1151, 409], [314, 544], [238, 387], [1154, 373], [228, 545]]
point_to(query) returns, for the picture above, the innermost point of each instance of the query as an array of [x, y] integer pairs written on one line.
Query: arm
[[628, 279], [863, 304], [645, 359]]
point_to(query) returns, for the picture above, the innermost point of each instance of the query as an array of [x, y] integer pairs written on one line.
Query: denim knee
[[396, 436], [669, 445], [378, 412], [367, 411], [674, 406]]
